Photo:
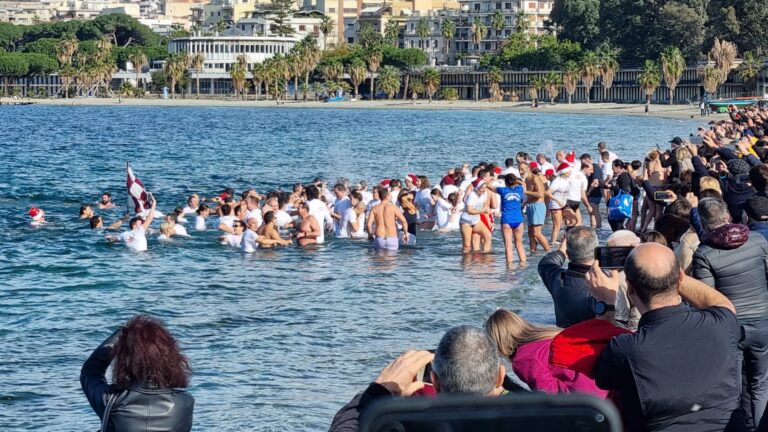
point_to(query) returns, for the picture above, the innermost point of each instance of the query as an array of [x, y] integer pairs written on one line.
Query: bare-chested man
[[386, 215], [536, 210], [310, 231]]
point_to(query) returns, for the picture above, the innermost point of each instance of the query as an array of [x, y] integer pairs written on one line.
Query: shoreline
[[673, 112]]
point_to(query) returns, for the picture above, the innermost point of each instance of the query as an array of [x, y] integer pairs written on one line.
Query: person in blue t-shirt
[[512, 216]]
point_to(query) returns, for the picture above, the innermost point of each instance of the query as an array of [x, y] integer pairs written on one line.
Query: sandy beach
[[659, 111]]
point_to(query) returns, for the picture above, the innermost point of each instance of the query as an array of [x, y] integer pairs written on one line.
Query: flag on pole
[[136, 192]]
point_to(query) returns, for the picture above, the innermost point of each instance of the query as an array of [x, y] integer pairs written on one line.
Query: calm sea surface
[[280, 339]]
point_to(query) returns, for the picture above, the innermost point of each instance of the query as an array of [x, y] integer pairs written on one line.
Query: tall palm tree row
[[672, 67]]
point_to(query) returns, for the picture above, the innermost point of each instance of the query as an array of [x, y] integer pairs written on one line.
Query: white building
[[303, 23], [221, 52]]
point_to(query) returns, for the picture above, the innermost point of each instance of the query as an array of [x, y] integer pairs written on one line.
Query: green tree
[[723, 53], [197, 62], [494, 79], [608, 58], [741, 21], [590, 69], [10, 35], [423, 30], [373, 59], [478, 31], [522, 23], [649, 80], [66, 74], [282, 10], [12, 65], [448, 31], [259, 77], [357, 74], [571, 76], [176, 69], [392, 33], [749, 69], [237, 73], [552, 83], [710, 79], [389, 80], [672, 68], [431, 82], [139, 60], [577, 20], [47, 46], [66, 49], [498, 22], [449, 94], [369, 37], [326, 27], [534, 85], [417, 87]]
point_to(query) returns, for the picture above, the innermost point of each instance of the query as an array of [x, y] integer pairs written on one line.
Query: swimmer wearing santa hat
[[37, 215]]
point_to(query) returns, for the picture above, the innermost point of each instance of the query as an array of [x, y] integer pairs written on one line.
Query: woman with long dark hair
[[148, 376]]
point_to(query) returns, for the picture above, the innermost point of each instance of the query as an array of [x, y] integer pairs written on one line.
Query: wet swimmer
[[354, 217], [86, 211], [310, 232], [136, 238], [166, 232], [512, 194], [558, 196], [252, 240], [536, 209], [177, 228], [410, 212], [268, 228], [97, 222], [476, 204], [37, 215], [385, 216], [234, 239], [202, 213], [106, 201], [424, 202], [193, 202]]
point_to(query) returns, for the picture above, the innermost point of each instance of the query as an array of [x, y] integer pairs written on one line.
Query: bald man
[[681, 369]]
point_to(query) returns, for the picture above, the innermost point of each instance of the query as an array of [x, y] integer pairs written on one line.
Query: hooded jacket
[[140, 408], [734, 260]]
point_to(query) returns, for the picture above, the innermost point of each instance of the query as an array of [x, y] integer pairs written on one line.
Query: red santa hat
[[35, 213], [549, 172], [385, 183], [533, 165], [571, 157], [563, 168], [413, 178], [478, 183]]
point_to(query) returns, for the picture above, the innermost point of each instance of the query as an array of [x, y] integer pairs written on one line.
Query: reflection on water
[[280, 338]]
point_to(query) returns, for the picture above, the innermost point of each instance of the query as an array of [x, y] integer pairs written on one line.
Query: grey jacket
[[140, 408], [736, 264]]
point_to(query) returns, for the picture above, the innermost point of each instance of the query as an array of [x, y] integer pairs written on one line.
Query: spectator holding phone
[[465, 362]]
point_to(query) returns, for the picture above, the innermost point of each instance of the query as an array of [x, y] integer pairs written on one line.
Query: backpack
[[620, 206]]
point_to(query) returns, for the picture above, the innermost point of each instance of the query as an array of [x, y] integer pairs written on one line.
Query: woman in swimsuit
[[512, 216]]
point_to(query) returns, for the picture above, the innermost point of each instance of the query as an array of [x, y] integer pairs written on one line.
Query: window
[[350, 40], [211, 13], [331, 10], [302, 28], [487, 46], [498, 5], [531, 5], [507, 5], [477, 6]]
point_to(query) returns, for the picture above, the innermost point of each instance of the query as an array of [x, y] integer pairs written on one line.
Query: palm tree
[[66, 49], [723, 53], [672, 67], [103, 49], [138, 59], [649, 80], [66, 74], [311, 55], [448, 31], [417, 87], [176, 67], [590, 69], [357, 73], [197, 61], [552, 83], [522, 23], [431, 82], [296, 66], [749, 69], [494, 78], [374, 61], [498, 22], [608, 58], [326, 26], [571, 76], [479, 31], [710, 79], [389, 80], [534, 84], [237, 73], [259, 76], [423, 30], [392, 32]]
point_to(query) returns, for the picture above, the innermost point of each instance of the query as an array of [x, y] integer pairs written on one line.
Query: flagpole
[[127, 208]]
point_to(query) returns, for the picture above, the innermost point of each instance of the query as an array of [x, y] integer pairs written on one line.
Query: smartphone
[[424, 374], [662, 195], [612, 257]]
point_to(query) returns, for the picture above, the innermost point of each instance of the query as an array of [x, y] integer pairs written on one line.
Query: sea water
[[278, 340]]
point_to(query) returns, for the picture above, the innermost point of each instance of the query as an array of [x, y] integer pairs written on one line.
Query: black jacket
[[569, 290], [139, 408], [735, 261]]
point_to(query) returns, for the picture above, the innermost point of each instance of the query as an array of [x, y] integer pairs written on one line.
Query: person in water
[[476, 204], [310, 232], [106, 201], [149, 375], [536, 209], [37, 215], [385, 216], [410, 212], [203, 211], [86, 211], [252, 240], [136, 238], [234, 239], [512, 227]]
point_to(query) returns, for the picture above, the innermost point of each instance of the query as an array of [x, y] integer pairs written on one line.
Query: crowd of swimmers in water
[[675, 336]]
